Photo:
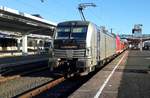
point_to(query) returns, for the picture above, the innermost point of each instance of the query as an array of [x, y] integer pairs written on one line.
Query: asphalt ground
[[127, 76]]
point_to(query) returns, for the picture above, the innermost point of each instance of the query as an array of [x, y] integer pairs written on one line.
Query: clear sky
[[121, 15]]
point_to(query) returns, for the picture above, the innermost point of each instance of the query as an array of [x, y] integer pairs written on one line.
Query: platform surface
[[130, 79], [13, 53], [17, 60]]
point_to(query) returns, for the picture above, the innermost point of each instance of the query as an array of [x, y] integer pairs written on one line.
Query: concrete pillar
[[24, 45], [34, 45], [141, 45], [18, 44], [38, 46]]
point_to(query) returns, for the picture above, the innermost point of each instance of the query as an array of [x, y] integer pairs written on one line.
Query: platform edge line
[[106, 81]]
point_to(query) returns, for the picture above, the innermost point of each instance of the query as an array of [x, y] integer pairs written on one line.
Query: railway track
[[13, 84], [59, 88], [64, 89], [17, 86], [7, 78], [22, 70], [41, 89]]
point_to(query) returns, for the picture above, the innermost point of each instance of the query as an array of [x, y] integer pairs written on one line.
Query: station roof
[[135, 39], [13, 20]]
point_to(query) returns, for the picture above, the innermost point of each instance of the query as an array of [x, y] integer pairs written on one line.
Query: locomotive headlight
[[58, 59]]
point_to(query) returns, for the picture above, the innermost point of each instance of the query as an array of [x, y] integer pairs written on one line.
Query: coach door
[[98, 45]]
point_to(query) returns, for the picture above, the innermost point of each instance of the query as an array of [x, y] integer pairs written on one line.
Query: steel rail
[[4, 79], [43, 88]]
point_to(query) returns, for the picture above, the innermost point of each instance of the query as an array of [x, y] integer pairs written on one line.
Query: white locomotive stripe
[[104, 84]]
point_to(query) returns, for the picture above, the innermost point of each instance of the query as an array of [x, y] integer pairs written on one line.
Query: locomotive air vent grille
[[69, 53]]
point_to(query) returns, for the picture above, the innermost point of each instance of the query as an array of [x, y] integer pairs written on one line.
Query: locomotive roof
[[75, 22]]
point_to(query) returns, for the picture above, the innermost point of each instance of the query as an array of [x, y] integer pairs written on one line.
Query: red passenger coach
[[119, 45]]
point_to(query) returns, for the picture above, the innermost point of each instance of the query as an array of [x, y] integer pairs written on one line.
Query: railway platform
[[14, 61], [4, 54], [128, 76]]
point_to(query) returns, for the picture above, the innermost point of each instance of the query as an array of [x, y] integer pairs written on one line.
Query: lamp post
[[141, 43]]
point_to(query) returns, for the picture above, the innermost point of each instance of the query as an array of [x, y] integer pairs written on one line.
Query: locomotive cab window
[[79, 32], [63, 32], [71, 32]]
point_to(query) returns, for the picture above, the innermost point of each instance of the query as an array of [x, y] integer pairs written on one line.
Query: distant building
[[137, 30]]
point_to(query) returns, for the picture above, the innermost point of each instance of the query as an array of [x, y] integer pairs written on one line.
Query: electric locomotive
[[81, 46]]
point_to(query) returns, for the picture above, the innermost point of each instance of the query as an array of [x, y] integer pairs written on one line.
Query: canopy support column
[[24, 45]]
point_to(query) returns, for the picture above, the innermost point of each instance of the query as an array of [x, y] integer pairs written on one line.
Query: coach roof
[[74, 23]]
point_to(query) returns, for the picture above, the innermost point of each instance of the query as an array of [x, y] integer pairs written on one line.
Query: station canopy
[[16, 21], [135, 39]]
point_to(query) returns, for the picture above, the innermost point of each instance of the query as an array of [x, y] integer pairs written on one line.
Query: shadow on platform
[[135, 78]]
